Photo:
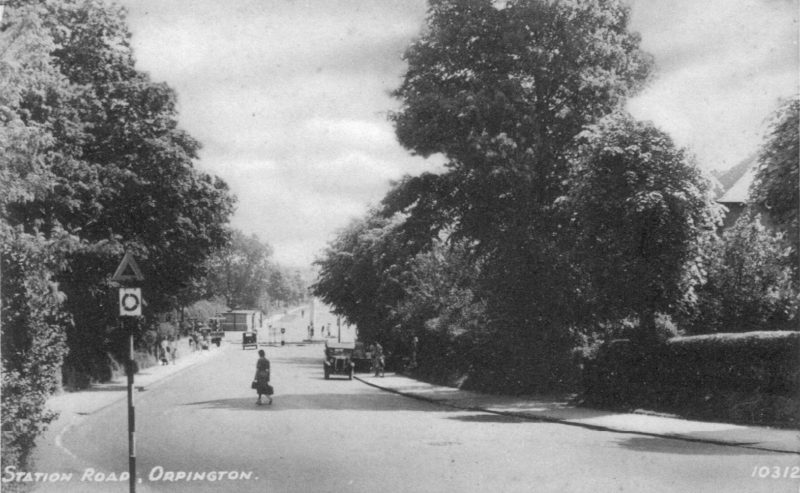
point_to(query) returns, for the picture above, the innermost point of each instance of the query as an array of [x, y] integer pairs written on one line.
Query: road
[[341, 435]]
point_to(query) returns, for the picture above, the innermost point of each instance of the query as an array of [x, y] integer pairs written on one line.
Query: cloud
[[722, 67], [290, 97]]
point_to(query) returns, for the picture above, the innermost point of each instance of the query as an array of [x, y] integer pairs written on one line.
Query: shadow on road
[[683, 447], [332, 402], [489, 418]]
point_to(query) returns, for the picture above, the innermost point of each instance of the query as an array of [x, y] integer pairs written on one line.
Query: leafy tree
[[31, 320], [243, 274], [441, 308], [641, 212], [362, 275], [750, 286], [776, 188], [502, 93], [33, 338], [124, 175], [240, 272]]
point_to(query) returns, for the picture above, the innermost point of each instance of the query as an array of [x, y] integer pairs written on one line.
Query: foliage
[[750, 284], [204, 309], [92, 162], [776, 188], [440, 293], [31, 322], [238, 272], [122, 174], [642, 213], [750, 377], [33, 336], [242, 274], [362, 275], [502, 93]]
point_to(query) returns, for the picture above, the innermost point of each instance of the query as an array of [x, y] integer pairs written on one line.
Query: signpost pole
[[131, 415], [130, 305]]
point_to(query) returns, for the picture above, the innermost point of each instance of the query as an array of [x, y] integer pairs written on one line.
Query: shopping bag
[[254, 385]]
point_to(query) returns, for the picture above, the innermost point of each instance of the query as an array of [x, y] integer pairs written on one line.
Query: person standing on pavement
[[377, 359], [173, 349], [163, 351], [262, 377]]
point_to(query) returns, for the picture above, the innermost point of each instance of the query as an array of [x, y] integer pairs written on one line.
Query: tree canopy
[[243, 274], [502, 93], [641, 212], [92, 163], [776, 188], [555, 210]]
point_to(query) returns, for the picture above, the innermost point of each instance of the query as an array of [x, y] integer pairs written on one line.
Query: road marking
[[60, 443]]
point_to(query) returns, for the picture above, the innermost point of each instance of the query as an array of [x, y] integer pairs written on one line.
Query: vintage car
[[339, 359], [249, 338]]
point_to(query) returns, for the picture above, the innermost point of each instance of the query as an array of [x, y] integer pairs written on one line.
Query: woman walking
[[262, 377]]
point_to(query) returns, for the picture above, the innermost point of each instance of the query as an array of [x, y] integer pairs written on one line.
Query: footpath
[[50, 455], [549, 409]]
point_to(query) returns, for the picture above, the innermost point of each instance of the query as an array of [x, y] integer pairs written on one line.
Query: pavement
[[100, 395], [560, 410]]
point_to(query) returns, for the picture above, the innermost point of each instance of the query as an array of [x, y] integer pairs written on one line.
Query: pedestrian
[[261, 379], [377, 359], [173, 350], [164, 351]]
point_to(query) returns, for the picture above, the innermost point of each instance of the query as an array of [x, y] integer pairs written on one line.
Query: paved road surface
[[344, 436]]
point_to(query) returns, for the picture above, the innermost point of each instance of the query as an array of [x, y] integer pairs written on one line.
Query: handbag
[[254, 385], [270, 390]]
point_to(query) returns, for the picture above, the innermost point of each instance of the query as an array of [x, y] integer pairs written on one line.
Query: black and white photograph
[[399, 246]]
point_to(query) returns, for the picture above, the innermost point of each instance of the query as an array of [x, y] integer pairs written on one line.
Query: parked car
[[249, 339], [339, 359]]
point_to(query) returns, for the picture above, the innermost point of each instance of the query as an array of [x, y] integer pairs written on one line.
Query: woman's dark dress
[[262, 376]]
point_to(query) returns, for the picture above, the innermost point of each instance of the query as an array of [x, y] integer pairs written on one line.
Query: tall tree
[[776, 188], [240, 272], [502, 93], [642, 214], [32, 324], [122, 173], [362, 274]]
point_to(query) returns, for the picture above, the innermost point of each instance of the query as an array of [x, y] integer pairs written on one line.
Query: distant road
[[296, 321]]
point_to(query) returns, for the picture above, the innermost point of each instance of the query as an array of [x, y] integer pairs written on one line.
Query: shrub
[[752, 377], [33, 341], [750, 284]]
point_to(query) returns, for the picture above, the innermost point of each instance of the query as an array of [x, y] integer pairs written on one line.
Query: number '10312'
[[776, 472]]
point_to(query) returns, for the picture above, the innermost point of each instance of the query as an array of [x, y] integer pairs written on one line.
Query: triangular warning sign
[[128, 270]]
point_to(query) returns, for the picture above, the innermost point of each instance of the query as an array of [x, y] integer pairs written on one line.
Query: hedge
[[752, 377]]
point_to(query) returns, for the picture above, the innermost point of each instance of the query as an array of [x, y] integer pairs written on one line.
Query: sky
[[290, 98]]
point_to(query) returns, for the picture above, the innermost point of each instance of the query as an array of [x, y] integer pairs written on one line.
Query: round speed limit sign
[[130, 302]]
